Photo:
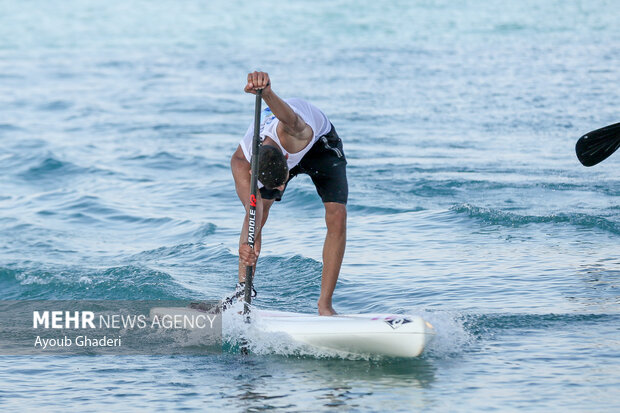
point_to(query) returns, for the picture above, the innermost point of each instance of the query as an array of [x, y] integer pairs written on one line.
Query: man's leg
[[333, 251], [262, 213]]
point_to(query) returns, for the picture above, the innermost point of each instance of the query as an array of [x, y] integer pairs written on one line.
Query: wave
[[188, 252], [289, 284], [48, 166], [488, 325], [164, 160], [497, 217], [130, 282], [381, 210], [56, 105], [94, 209], [50, 170], [7, 127]]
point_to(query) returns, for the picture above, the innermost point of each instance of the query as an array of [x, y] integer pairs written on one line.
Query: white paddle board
[[391, 335]]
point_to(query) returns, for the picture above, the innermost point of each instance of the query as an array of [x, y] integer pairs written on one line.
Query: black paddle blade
[[596, 146]]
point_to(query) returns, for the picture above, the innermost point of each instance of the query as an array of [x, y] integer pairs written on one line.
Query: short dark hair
[[272, 167]]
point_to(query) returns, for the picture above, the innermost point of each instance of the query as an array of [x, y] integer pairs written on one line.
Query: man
[[296, 138]]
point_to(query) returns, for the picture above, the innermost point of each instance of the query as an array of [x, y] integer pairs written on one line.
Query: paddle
[[249, 272], [598, 145]]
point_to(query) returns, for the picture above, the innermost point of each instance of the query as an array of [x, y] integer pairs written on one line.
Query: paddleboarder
[[297, 138]]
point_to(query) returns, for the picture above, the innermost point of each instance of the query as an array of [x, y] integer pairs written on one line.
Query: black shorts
[[326, 165]]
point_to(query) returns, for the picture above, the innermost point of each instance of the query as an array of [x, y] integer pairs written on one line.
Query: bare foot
[[326, 310]]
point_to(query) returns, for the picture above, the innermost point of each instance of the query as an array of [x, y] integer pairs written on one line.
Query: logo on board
[[397, 322]]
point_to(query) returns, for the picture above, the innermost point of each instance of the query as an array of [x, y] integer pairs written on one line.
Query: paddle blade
[[598, 145]]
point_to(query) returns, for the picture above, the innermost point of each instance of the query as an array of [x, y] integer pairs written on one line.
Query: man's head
[[272, 167]]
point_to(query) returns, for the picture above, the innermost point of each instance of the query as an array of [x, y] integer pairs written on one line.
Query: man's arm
[[293, 124], [241, 173]]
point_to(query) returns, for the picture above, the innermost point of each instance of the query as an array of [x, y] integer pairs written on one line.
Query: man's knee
[[336, 216]]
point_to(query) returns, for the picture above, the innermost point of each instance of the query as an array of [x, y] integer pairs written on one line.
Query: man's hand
[[248, 255], [258, 80]]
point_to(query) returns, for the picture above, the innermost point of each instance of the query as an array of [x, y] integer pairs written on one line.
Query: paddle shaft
[[249, 270]]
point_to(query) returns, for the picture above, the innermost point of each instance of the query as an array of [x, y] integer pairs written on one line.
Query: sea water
[[467, 204]]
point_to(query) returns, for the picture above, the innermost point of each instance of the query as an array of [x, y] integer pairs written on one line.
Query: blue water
[[467, 203]]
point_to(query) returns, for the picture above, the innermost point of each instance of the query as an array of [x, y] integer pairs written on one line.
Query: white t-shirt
[[309, 113]]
